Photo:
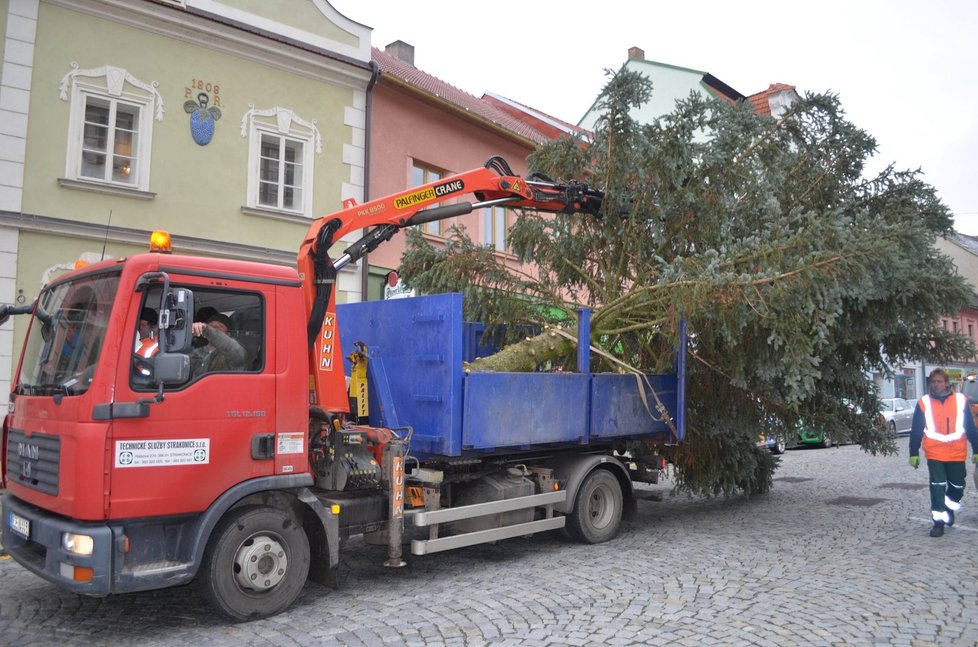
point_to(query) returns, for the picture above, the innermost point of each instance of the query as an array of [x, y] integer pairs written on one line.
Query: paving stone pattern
[[837, 554]]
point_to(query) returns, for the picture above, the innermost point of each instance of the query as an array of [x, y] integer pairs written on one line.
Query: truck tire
[[597, 509], [256, 563]]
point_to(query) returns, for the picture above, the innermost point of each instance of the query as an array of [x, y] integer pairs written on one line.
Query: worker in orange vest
[[943, 423], [147, 345]]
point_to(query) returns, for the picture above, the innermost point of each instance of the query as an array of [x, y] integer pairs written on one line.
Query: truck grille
[[33, 462]]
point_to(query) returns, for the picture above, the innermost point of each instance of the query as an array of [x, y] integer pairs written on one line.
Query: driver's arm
[[227, 345]]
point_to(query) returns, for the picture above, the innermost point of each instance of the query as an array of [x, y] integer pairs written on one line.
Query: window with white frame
[[110, 127], [494, 227], [422, 174], [110, 140], [281, 147], [280, 173]]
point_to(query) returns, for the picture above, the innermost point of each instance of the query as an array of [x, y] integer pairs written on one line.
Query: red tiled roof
[[547, 124], [410, 75], [760, 100]]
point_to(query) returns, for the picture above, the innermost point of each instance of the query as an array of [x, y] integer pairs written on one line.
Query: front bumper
[[42, 553]]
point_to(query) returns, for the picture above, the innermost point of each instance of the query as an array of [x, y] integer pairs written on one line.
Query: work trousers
[[946, 488]]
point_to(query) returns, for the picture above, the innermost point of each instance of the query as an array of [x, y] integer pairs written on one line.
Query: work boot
[[937, 530], [950, 518]]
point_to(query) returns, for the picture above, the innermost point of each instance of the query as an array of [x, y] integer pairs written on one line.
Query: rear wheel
[[256, 563], [597, 509], [826, 441], [779, 445]]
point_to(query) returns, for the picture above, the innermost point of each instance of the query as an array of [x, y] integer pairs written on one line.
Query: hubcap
[[600, 508], [260, 563]]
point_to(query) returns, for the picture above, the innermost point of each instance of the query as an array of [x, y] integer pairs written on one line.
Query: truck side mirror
[[171, 368], [176, 321]]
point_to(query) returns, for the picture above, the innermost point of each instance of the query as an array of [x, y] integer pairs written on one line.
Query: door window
[[228, 335]]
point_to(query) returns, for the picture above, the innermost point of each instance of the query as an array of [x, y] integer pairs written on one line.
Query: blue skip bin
[[416, 348]]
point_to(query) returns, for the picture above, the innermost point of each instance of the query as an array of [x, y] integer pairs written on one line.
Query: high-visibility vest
[[147, 348], [944, 436]]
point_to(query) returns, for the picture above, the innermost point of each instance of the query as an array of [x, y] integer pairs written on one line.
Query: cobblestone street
[[836, 554]]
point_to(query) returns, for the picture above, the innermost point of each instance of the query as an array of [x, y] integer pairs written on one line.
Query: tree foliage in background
[[796, 273]]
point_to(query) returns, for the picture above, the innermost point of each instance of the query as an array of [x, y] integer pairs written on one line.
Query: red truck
[[231, 457]]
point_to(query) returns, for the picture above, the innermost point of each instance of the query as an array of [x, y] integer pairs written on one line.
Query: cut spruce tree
[[798, 273]]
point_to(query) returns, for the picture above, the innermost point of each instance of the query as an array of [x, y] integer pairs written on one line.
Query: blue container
[[416, 347]]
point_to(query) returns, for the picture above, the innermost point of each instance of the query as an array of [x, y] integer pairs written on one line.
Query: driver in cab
[[221, 352]]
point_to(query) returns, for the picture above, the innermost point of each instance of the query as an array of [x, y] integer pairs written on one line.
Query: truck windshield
[[66, 335]]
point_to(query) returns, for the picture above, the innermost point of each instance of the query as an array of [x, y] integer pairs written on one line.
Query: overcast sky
[[903, 69]]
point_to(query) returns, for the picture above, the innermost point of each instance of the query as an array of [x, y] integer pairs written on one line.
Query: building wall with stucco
[[233, 125]]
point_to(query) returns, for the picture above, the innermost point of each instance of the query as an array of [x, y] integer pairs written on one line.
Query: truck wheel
[[255, 564], [597, 509]]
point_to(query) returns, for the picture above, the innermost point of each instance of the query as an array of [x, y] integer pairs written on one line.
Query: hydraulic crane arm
[[492, 184]]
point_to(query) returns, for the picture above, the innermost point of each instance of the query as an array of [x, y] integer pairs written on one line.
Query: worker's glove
[[915, 461], [974, 459]]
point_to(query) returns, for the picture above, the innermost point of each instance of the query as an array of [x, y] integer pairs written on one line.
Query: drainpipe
[[365, 261]]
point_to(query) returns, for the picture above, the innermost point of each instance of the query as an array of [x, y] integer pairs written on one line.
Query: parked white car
[[898, 414]]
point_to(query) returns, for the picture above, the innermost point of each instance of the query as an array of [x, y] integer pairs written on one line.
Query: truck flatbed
[[416, 349]]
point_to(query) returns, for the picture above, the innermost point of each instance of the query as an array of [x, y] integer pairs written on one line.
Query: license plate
[[20, 525]]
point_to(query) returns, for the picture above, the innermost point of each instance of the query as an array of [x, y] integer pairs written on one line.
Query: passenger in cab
[[146, 339]]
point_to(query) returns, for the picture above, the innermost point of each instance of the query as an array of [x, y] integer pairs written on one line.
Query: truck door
[[213, 431]]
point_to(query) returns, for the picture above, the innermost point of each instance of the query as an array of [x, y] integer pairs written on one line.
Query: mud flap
[[629, 508], [324, 541]]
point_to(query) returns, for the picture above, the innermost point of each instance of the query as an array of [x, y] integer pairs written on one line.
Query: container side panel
[[618, 411], [417, 380], [519, 410]]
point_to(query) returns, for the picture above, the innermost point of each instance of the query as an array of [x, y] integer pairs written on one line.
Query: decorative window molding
[[281, 148], [109, 189], [275, 215], [110, 129], [285, 121], [115, 80]]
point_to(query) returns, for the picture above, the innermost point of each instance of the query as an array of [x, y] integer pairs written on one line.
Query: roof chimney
[[636, 53], [401, 51]]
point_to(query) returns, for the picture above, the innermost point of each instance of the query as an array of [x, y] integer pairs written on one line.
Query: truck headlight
[[77, 544]]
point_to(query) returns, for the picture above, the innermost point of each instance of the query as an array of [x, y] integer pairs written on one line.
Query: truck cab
[[88, 426]]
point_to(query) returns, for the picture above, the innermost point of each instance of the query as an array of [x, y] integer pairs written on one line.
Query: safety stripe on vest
[[930, 429]]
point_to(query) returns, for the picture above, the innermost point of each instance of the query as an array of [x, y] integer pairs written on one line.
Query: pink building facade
[[422, 129]]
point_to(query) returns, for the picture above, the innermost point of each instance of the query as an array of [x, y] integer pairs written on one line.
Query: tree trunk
[[527, 355]]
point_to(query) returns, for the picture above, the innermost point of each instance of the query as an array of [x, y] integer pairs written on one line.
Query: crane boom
[[491, 184]]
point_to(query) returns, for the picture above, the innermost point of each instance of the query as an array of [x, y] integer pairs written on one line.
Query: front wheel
[[256, 563], [779, 445], [893, 427], [597, 509]]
